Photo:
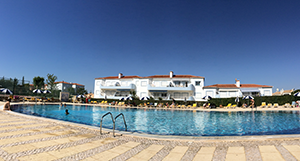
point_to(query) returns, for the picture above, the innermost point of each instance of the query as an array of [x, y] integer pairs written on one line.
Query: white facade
[[63, 86], [179, 87], [237, 89]]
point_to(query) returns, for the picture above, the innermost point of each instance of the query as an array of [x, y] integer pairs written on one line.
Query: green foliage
[[38, 82], [71, 91], [133, 95], [51, 78], [281, 100], [295, 91], [81, 91]]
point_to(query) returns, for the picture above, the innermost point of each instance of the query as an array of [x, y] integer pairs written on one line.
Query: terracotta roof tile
[[276, 93], [234, 86], [288, 91], [116, 77], [174, 76], [69, 83], [77, 84], [153, 76]]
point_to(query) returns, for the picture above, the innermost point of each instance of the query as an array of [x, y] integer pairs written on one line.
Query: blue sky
[[254, 41]]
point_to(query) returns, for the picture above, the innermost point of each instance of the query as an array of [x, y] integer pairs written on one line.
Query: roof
[[234, 86], [288, 91], [283, 92], [174, 76], [154, 76], [69, 83], [117, 77], [278, 93]]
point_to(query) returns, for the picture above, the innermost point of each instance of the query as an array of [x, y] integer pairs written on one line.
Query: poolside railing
[[114, 121]]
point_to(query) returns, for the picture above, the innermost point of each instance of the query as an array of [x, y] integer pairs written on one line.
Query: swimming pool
[[175, 122]]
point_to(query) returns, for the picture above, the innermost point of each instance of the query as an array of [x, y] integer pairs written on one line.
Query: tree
[[81, 91], [71, 91], [23, 81], [15, 83], [51, 78], [38, 82]]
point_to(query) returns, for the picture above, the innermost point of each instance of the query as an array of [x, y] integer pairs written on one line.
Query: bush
[[281, 100]]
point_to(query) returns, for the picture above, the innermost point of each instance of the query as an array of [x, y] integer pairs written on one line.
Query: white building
[[237, 89], [63, 86], [179, 87]]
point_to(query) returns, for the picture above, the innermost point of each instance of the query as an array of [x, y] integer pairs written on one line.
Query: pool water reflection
[[175, 122]]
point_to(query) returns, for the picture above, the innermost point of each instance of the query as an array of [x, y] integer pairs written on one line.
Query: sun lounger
[[287, 105], [275, 105], [229, 105], [233, 106], [263, 104], [269, 105], [194, 105]]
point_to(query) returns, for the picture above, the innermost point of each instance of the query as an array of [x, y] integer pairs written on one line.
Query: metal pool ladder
[[113, 120]]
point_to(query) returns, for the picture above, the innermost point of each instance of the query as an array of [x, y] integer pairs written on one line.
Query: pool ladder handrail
[[112, 118], [121, 114], [114, 121]]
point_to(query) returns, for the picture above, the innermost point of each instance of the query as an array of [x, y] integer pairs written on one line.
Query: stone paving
[[33, 138]]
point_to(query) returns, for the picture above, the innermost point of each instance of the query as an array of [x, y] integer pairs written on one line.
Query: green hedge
[[281, 100]]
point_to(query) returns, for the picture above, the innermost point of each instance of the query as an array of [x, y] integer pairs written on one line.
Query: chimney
[[120, 75], [171, 74], [237, 83]]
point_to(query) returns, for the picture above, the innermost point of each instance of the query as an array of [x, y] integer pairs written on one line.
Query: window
[[185, 95], [177, 95], [164, 95], [267, 93], [198, 83], [98, 83], [164, 84], [143, 83], [177, 83], [232, 94]]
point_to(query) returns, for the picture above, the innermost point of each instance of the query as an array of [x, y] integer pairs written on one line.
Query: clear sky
[[79, 40]]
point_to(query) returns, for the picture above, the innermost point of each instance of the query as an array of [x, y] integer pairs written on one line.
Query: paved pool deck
[[25, 137]]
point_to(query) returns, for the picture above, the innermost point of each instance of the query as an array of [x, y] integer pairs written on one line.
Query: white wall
[[199, 92], [142, 86]]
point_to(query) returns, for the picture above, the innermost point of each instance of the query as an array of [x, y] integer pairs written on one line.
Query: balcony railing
[[171, 88], [120, 88]]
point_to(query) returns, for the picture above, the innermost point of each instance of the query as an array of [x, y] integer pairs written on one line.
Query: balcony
[[169, 88], [119, 88]]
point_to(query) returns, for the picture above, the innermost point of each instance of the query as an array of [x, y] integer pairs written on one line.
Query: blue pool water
[[175, 122]]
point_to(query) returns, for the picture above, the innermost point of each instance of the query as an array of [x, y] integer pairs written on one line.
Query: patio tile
[[270, 153], [176, 153], [294, 150], [147, 153], [205, 154]]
